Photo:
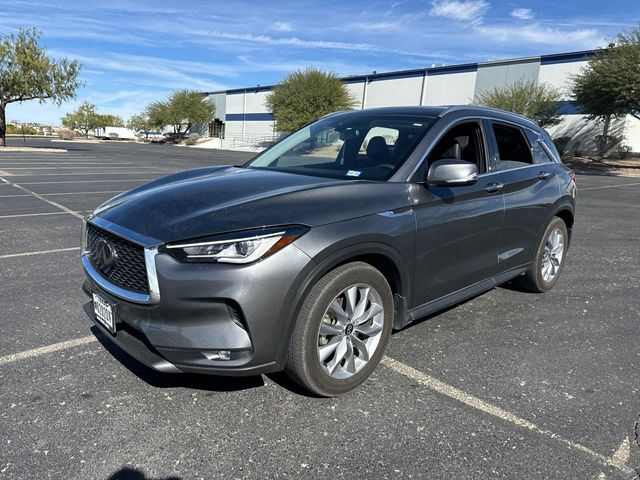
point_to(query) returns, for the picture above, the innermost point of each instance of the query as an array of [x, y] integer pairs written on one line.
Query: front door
[[457, 227]]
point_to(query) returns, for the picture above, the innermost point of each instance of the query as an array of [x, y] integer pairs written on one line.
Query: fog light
[[218, 355]]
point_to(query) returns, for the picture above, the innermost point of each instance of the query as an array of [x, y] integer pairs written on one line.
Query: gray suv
[[307, 257]]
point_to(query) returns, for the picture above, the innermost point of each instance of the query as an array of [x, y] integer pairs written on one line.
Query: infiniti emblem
[[105, 253]]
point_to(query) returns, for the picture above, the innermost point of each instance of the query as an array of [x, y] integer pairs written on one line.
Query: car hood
[[212, 200]]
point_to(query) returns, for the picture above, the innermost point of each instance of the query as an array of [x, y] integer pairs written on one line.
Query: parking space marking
[[609, 186], [82, 193], [90, 181], [97, 165], [37, 195], [36, 352], [36, 214], [474, 402], [41, 252]]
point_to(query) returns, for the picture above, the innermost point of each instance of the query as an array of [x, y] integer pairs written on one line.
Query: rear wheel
[[342, 330], [549, 260]]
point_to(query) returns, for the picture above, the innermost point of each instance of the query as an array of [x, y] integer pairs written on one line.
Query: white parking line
[[50, 202], [474, 402], [82, 193], [90, 181], [608, 186], [97, 165], [41, 252], [618, 460], [63, 193], [36, 214], [36, 352], [15, 176]]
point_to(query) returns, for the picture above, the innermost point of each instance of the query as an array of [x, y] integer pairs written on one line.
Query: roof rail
[[454, 108]]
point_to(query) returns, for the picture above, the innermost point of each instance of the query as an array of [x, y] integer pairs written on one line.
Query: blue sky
[[137, 52]]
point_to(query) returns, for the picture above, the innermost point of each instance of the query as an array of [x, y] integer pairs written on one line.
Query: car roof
[[444, 110]]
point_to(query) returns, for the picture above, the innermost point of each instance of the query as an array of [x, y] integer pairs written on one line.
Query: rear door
[[530, 184], [457, 227]]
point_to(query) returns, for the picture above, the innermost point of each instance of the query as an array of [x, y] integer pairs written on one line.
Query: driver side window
[[462, 142]]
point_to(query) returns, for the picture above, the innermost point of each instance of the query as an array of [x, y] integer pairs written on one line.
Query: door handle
[[544, 175], [493, 187]]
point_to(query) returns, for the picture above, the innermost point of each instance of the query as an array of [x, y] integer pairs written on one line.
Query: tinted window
[[513, 149], [355, 146], [462, 142], [540, 155]]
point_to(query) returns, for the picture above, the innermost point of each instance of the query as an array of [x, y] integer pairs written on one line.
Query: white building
[[243, 121]]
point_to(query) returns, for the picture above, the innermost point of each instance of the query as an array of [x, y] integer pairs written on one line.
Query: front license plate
[[104, 312]]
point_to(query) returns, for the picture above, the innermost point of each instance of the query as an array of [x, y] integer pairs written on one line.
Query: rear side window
[[540, 155], [513, 148]]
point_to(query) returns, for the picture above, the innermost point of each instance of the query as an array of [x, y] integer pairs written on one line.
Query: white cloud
[[377, 27], [302, 43], [522, 13], [470, 11], [537, 34], [281, 27]]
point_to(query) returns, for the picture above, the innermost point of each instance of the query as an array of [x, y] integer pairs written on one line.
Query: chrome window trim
[[494, 172], [467, 118]]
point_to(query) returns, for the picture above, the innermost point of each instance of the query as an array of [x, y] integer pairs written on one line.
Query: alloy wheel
[[552, 256], [350, 331]]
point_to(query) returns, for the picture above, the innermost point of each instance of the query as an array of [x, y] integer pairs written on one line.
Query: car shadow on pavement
[[128, 473], [176, 380]]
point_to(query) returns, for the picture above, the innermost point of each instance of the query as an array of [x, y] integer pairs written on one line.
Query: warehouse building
[[243, 121]]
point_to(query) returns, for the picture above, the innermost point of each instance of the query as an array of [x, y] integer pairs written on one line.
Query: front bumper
[[242, 311]]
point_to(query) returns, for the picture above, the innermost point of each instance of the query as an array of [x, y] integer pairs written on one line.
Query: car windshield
[[358, 147]]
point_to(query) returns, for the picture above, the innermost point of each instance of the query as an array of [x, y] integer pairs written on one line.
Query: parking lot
[[507, 385]]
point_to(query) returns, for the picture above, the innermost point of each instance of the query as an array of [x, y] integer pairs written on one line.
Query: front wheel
[[549, 260], [342, 330]]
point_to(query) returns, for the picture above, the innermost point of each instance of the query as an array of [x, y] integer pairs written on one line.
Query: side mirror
[[450, 172]]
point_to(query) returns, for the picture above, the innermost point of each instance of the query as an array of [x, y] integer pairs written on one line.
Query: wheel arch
[[380, 256], [566, 213]]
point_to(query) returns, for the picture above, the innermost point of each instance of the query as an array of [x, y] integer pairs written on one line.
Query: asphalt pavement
[[506, 385]]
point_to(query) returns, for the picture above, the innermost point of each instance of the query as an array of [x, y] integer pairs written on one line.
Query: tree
[[109, 121], [84, 118], [609, 86], [27, 73], [304, 96], [183, 108], [537, 101], [140, 123]]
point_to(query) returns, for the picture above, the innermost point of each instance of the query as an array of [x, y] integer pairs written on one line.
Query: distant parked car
[[153, 136], [307, 257]]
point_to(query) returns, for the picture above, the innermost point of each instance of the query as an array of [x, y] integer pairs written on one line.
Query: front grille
[[128, 271]]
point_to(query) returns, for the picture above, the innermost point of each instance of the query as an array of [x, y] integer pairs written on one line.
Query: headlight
[[243, 247]]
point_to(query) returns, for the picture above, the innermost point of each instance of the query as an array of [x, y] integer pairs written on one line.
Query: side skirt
[[461, 295]]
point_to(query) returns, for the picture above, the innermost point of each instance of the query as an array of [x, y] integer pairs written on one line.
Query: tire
[[547, 265], [341, 356]]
